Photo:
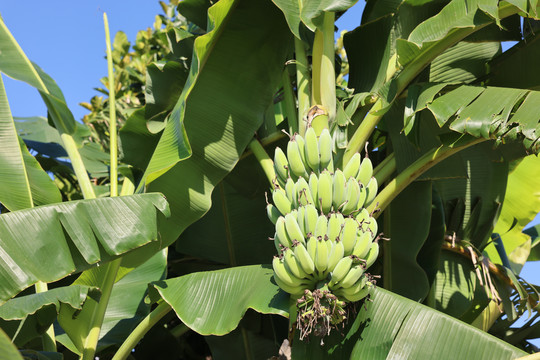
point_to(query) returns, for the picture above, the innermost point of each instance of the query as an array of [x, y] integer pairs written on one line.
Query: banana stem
[[302, 83], [385, 169], [78, 166], [411, 173], [328, 75], [144, 326], [112, 113], [362, 134], [264, 159], [90, 344], [48, 339], [290, 103]]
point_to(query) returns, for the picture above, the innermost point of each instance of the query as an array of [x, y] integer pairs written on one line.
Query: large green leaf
[[123, 312], [244, 57], [489, 112], [223, 297], [521, 205], [31, 315], [393, 327], [15, 64], [49, 242], [24, 183]]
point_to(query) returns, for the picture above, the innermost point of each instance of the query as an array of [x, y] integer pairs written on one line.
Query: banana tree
[[423, 95]]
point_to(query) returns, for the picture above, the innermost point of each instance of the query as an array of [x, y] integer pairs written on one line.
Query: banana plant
[[414, 163]]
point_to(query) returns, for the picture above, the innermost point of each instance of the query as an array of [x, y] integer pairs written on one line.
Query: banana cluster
[[323, 250], [324, 236]]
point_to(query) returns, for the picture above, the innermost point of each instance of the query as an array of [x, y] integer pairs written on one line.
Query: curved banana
[[363, 244], [338, 190], [365, 172], [362, 217], [310, 219], [281, 201], [281, 165], [372, 254], [303, 257], [352, 167], [273, 213], [296, 163], [362, 197], [321, 256], [352, 195], [277, 244], [312, 149], [335, 256], [335, 223], [281, 272], [293, 290], [281, 232], [290, 190], [321, 228], [340, 270], [325, 192], [356, 292], [355, 272], [292, 264], [371, 188], [348, 235], [372, 226], [311, 248], [301, 147], [293, 229], [300, 219], [303, 192], [326, 150]]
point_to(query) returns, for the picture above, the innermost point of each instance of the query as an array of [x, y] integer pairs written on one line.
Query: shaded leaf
[[8, 351], [49, 242], [223, 297]]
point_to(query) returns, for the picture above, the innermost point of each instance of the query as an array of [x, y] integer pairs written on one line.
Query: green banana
[[338, 191], [325, 192], [352, 167], [303, 193], [281, 165], [340, 270], [372, 226], [310, 219], [277, 244], [321, 228], [282, 203], [303, 257], [281, 272], [311, 247], [300, 219], [335, 255], [293, 229], [363, 244], [296, 163], [314, 188], [365, 172], [362, 196], [281, 232], [293, 290], [356, 292], [335, 223], [352, 195], [371, 188], [362, 216], [312, 149], [273, 213], [355, 272], [326, 150], [372, 254], [292, 264], [321, 257], [348, 235], [301, 147]]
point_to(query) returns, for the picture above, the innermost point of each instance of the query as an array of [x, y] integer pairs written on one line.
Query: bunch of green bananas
[[324, 236], [317, 250]]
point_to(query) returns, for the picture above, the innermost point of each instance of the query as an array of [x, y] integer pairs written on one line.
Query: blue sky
[[66, 38]]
